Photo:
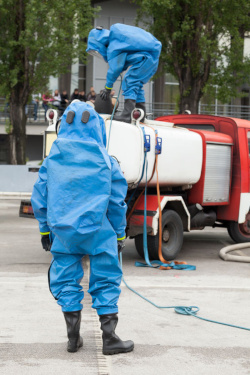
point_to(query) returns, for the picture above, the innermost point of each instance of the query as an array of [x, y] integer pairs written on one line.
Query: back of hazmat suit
[[79, 199], [122, 47]]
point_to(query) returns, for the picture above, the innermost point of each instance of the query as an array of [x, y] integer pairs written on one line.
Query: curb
[[14, 195]]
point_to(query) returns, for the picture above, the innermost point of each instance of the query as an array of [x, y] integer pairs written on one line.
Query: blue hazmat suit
[[127, 46], [79, 198]]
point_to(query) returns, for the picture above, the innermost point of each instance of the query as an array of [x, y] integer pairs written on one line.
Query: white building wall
[[74, 76], [53, 84], [247, 45]]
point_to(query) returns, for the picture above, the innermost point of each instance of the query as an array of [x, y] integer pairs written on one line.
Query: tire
[[139, 245], [172, 238], [239, 232]]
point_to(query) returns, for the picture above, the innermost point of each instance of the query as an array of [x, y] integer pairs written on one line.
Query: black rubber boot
[[141, 106], [112, 344], [125, 116], [73, 321]]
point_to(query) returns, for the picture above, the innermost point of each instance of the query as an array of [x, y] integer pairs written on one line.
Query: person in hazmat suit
[[122, 47], [78, 201]]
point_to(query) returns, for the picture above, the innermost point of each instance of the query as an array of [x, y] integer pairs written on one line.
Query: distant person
[[57, 99], [82, 96], [35, 102], [91, 89], [75, 95], [92, 95], [47, 98], [64, 101]]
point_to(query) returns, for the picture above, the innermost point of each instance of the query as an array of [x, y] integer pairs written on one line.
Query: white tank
[[179, 163]]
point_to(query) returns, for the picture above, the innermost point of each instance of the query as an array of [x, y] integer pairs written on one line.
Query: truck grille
[[217, 174]]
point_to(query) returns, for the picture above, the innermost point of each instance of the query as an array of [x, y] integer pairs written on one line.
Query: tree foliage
[[38, 38], [202, 44]]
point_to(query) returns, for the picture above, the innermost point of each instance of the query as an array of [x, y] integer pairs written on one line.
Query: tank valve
[[158, 145]]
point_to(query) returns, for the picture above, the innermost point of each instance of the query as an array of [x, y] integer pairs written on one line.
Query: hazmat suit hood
[[98, 41], [131, 40], [92, 129], [78, 177]]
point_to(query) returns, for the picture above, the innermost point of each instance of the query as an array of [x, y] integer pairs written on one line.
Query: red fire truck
[[206, 167], [221, 197]]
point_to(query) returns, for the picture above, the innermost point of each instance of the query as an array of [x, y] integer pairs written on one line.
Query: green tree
[[202, 44], [38, 38]]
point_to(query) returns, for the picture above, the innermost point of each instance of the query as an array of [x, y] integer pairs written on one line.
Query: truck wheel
[[139, 245], [240, 232], [172, 238]]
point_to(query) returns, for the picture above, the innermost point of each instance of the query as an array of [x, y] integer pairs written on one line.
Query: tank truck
[[194, 169]]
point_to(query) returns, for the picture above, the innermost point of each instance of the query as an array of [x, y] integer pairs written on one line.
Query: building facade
[[161, 94], [94, 72]]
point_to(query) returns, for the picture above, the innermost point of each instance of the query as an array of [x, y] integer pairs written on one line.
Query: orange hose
[[160, 215], [161, 258]]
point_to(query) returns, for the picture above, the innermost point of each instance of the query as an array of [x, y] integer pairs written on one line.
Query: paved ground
[[32, 328]]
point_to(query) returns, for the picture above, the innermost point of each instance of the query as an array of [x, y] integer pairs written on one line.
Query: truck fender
[[244, 207], [177, 204]]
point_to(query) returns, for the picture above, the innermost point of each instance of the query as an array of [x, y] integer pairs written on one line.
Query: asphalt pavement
[[33, 332]]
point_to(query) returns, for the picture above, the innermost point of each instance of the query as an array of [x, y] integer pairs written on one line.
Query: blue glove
[[105, 93]]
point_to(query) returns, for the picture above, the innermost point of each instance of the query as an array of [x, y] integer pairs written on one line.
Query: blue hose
[[183, 310], [155, 263]]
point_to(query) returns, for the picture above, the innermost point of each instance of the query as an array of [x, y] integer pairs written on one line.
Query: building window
[[3, 149], [171, 89]]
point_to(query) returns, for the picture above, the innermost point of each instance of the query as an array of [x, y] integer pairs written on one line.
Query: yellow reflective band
[[43, 234], [109, 88], [120, 239]]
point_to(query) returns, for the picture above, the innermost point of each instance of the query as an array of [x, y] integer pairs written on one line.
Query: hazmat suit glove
[[46, 243], [105, 93], [120, 244]]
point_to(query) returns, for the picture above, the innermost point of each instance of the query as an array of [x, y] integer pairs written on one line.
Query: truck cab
[[233, 211]]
